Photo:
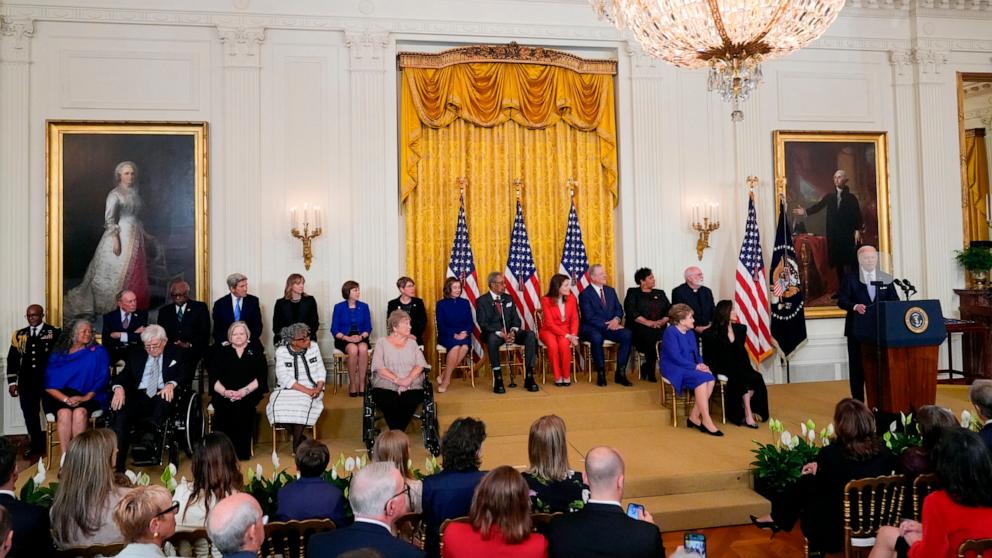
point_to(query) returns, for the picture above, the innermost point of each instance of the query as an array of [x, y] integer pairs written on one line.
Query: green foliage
[[38, 495], [974, 259], [265, 490], [898, 442], [779, 464]]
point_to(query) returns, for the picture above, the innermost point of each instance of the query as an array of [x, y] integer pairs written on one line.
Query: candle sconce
[[705, 219], [306, 226]]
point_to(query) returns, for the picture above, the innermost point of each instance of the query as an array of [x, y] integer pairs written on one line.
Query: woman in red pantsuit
[[560, 327]]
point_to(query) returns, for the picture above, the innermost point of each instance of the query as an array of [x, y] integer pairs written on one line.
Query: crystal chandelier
[[730, 37]]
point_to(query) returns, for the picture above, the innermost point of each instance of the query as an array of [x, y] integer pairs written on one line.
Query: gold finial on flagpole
[[752, 183], [518, 184], [572, 185], [462, 184]]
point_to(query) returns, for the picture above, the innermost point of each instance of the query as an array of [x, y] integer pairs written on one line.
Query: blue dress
[[679, 357], [453, 315], [78, 374]]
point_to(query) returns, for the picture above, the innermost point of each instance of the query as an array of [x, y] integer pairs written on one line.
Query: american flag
[[521, 275], [574, 262], [751, 293], [462, 265]]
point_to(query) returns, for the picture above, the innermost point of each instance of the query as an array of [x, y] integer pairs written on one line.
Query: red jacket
[[947, 524], [460, 541], [553, 321]]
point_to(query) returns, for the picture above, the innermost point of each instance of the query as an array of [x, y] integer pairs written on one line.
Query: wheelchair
[[426, 416], [182, 430]]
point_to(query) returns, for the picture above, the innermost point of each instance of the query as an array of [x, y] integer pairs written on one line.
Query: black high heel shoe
[[770, 525]]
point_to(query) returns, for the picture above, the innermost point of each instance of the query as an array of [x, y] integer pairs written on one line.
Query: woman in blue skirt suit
[[454, 328], [680, 364]]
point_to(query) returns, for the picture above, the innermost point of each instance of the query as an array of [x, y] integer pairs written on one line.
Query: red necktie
[[499, 307], [602, 297]]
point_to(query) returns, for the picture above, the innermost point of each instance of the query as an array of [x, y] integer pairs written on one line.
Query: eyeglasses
[[406, 490], [154, 345], [174, 508], [179, 295]]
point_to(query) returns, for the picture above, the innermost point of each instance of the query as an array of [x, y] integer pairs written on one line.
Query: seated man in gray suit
[[499, 321]]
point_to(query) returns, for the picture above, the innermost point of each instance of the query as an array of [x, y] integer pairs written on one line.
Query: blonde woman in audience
[[215, 476], [393, 446], [146, 517], [554, 487], [87, 496]]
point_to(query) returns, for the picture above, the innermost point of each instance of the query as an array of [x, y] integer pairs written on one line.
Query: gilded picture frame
[[127, 209], [842, 179]]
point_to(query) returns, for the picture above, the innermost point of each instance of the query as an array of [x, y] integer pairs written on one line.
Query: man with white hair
[[602, 528], [843, 224], [600, 315], [235, 526], [238, 306], [144, 393], [698, 296], [379, 496]]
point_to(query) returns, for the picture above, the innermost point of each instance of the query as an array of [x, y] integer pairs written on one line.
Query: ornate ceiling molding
[[513, 53], [15, 39], [242, 45]]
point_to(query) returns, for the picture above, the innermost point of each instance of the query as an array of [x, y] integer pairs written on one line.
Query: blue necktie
[[237, 311]]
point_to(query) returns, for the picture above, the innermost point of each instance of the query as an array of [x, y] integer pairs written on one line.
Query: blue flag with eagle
[[787, 290]]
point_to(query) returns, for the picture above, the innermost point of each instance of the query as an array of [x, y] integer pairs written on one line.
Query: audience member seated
[[448, 494], [6, 533], [602, 529], [298, 398], [560, 327], [817, 498], [499, 322], [215, 477], [554, 487], [960, 511], [122, 327], [236, 527], [146, 517], [981, 397], [931, 420], [646, 310], [86, 497], [351, 326], [697, 296], [454, 328], [239, 379], [239, 306], [187, 324], [393, 446], [295, 307], [310, 496], [681, 365], [499, 521], [378, 496], [144, 395], [75, 381], [30, 522], [412, 305], [725, 353], [398, 364], [601, 313]]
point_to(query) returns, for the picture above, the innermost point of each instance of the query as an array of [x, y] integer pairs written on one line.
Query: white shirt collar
[[124, 314], [986, 422], [180, 307], [9, 493], [606, 502], [373, 522]]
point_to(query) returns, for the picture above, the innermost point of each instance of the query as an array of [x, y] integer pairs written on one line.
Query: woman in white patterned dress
[[298, 399]]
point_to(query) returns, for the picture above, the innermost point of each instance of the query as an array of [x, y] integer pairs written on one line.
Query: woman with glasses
[[215, 477], [298, 399], [147, 518], [239, 378], [409, 303]]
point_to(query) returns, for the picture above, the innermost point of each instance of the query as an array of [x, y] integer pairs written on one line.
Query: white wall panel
[[129, 80]]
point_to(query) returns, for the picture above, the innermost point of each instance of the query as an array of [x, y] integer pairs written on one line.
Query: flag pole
[[462, 183]]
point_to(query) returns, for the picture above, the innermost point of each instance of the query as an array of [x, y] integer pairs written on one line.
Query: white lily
[[275, 460], [830, 429], [258, 471], [892, 427], [803, 429], [349, 464], [786, 439], [61, 461], [39, 477], [131, 476], [965, 419], [182, 480], [811, 436], [334, 473]]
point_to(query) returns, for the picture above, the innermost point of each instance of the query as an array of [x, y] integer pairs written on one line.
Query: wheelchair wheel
[[369, 430], [195, 424]]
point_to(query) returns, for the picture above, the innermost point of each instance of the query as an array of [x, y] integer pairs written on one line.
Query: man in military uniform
[[26, 362]]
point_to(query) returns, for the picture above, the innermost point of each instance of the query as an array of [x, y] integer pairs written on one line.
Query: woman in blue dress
[[681, 365], [351, 326], [454, 328]]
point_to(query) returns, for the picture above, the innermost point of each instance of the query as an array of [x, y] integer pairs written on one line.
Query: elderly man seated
[[144, 394]]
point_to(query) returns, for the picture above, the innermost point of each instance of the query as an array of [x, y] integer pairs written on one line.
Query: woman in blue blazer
[[351, 326], [682, 367], [454, 328]]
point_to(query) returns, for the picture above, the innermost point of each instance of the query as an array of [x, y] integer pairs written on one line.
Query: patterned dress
[[286, 405]]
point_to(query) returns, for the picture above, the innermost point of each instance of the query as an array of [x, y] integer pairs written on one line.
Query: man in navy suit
[[601, 313], [237, 306], [144, 392], [122, 327], [186, 322], [601, 528], [31, 527], [980, 394], [310, 496], [856, 294], [378, 496], [235, 526]]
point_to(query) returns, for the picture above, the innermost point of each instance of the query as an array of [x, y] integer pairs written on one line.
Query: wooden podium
[[900, 341]]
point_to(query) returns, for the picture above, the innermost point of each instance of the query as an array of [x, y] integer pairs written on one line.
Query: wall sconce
[[705, 219], [301, 223]]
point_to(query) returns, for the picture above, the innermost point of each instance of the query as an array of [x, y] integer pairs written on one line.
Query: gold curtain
[[493, 123], [977, 176]]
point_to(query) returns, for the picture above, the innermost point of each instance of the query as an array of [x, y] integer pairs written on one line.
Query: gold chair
[[289, 538], [671, 400], [52, 433], [539, 522], [444, 525], [441, 355], [94, 551], [974, 548], [338, 369], [410, 527], [869, 504], [542, 352], [183, 540], [922, 486], [512, 356], [277, 429], [609, 347]]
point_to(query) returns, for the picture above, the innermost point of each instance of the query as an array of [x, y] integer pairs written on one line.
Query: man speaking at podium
[[858, 291]]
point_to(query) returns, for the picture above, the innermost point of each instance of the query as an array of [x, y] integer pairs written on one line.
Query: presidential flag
[[788, 292], [521, 274], [574, 261], [461, 264], [751, 292]]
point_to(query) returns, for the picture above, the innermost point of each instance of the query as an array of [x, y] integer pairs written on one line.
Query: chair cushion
[[441, 349], [863, 542], [49, 417], [722, 378]]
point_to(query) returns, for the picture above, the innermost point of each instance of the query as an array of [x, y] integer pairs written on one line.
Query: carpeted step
[[700, 510]]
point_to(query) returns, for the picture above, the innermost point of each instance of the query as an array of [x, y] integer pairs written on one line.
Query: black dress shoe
[[601, 379], [754, 426], [716, 432], [352, 394], [622, 380], [771, 525]]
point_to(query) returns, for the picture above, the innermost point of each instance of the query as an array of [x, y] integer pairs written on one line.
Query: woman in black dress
[[646, 309], [412, 305], [239, 379], [724, 352], [295, 307], [554, 487]]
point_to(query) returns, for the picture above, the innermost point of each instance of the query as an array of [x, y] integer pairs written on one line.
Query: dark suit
[[112, 323], [853, 292], [305, 313], [986, 434], [32, 535], [592, 327], [446, 495], [311, 498], [700, 300], [603, 530], [223, 316], [488, 317], [139, 408], [360, 535], [193, 329], [26, 363], [842, 220]]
